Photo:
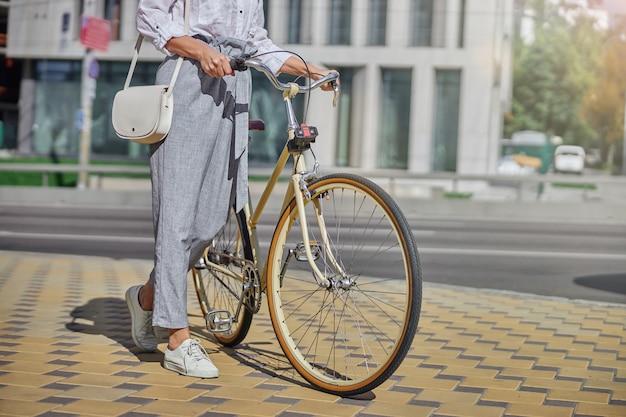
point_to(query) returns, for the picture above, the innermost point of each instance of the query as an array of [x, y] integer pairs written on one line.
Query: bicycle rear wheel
[[350, 337], [218, 291]]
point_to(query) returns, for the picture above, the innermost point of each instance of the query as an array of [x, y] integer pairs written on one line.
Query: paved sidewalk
[[65, 350]]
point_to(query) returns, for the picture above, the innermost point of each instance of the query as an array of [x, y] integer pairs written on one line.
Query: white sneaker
[[141, 322], [190, 359]]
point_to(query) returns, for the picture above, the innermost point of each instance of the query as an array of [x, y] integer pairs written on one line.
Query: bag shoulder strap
[[179, 62]]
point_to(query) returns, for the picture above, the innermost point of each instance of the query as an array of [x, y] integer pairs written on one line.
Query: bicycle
[[342, 274]]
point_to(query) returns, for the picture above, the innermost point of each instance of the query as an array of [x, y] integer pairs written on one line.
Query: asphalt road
[[579, 261]]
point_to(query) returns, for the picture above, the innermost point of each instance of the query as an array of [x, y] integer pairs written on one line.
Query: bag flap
[[136, 110]]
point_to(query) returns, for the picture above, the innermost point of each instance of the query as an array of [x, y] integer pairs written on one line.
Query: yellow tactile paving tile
[[65, 350]]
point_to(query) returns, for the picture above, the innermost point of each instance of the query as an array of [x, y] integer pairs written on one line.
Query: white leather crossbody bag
[[143, 114]]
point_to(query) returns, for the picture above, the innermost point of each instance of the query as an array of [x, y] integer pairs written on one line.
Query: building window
[[266, 13], [461, 39], [112, 13], [421, 22], [446, 120], [377, 23], [340, 22], [344, 124], [428, 23], [395, 117], [295, 21], [299, 22]]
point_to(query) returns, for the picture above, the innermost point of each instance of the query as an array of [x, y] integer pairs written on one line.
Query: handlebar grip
[[238, 63]]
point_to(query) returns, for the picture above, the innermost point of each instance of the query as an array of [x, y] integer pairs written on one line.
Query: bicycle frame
[[299, 177]]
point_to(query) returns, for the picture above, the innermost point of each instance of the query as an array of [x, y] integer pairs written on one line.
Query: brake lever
[[335, 86]]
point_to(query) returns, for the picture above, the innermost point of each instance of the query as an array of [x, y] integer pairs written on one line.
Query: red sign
[[95, 33]]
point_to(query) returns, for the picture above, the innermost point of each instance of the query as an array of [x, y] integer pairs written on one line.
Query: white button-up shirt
[[161, 20]]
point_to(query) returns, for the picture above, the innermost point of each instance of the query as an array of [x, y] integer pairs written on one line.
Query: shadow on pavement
[[109, 317], [267, 358], [615, 283]]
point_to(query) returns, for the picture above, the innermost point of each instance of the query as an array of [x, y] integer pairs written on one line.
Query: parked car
[[569, 159]]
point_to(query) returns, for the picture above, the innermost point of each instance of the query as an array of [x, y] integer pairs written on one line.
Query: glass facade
[[57, 127], [267, 104], [446, 120], [58, 122], [395, 118]]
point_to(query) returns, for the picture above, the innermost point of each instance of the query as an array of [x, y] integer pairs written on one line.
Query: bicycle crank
[[300, 251]]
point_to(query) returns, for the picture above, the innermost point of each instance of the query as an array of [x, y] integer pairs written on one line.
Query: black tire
[[219, 291], [350, 337]]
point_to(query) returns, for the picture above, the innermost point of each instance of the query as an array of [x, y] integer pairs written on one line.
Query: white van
[[569, 158]]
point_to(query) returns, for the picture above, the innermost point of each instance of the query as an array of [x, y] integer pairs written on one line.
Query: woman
[[200, 169]]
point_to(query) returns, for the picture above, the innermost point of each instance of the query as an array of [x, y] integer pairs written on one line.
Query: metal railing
[[446, 180], [98, 170], [452, 181]]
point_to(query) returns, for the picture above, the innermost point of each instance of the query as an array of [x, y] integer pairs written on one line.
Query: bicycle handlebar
[[242, 63]]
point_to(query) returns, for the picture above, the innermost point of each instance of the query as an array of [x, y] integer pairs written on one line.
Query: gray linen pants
[[198, 172]]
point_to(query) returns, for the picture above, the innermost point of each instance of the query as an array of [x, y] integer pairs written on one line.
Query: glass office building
[[425, 83]]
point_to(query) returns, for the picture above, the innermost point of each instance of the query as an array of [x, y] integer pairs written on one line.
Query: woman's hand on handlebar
[[211, 61], [297, 67], [215, 64], [317, 73], [320, 73], [327, 80]]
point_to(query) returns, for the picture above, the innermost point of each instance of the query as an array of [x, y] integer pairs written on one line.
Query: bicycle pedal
[[219, 321]]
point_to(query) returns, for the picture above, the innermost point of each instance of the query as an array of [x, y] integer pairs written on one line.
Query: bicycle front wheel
[[221, 291], [349, 337]]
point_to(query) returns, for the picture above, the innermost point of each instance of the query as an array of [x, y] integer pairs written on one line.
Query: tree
[[604, 105], [553, 73]]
